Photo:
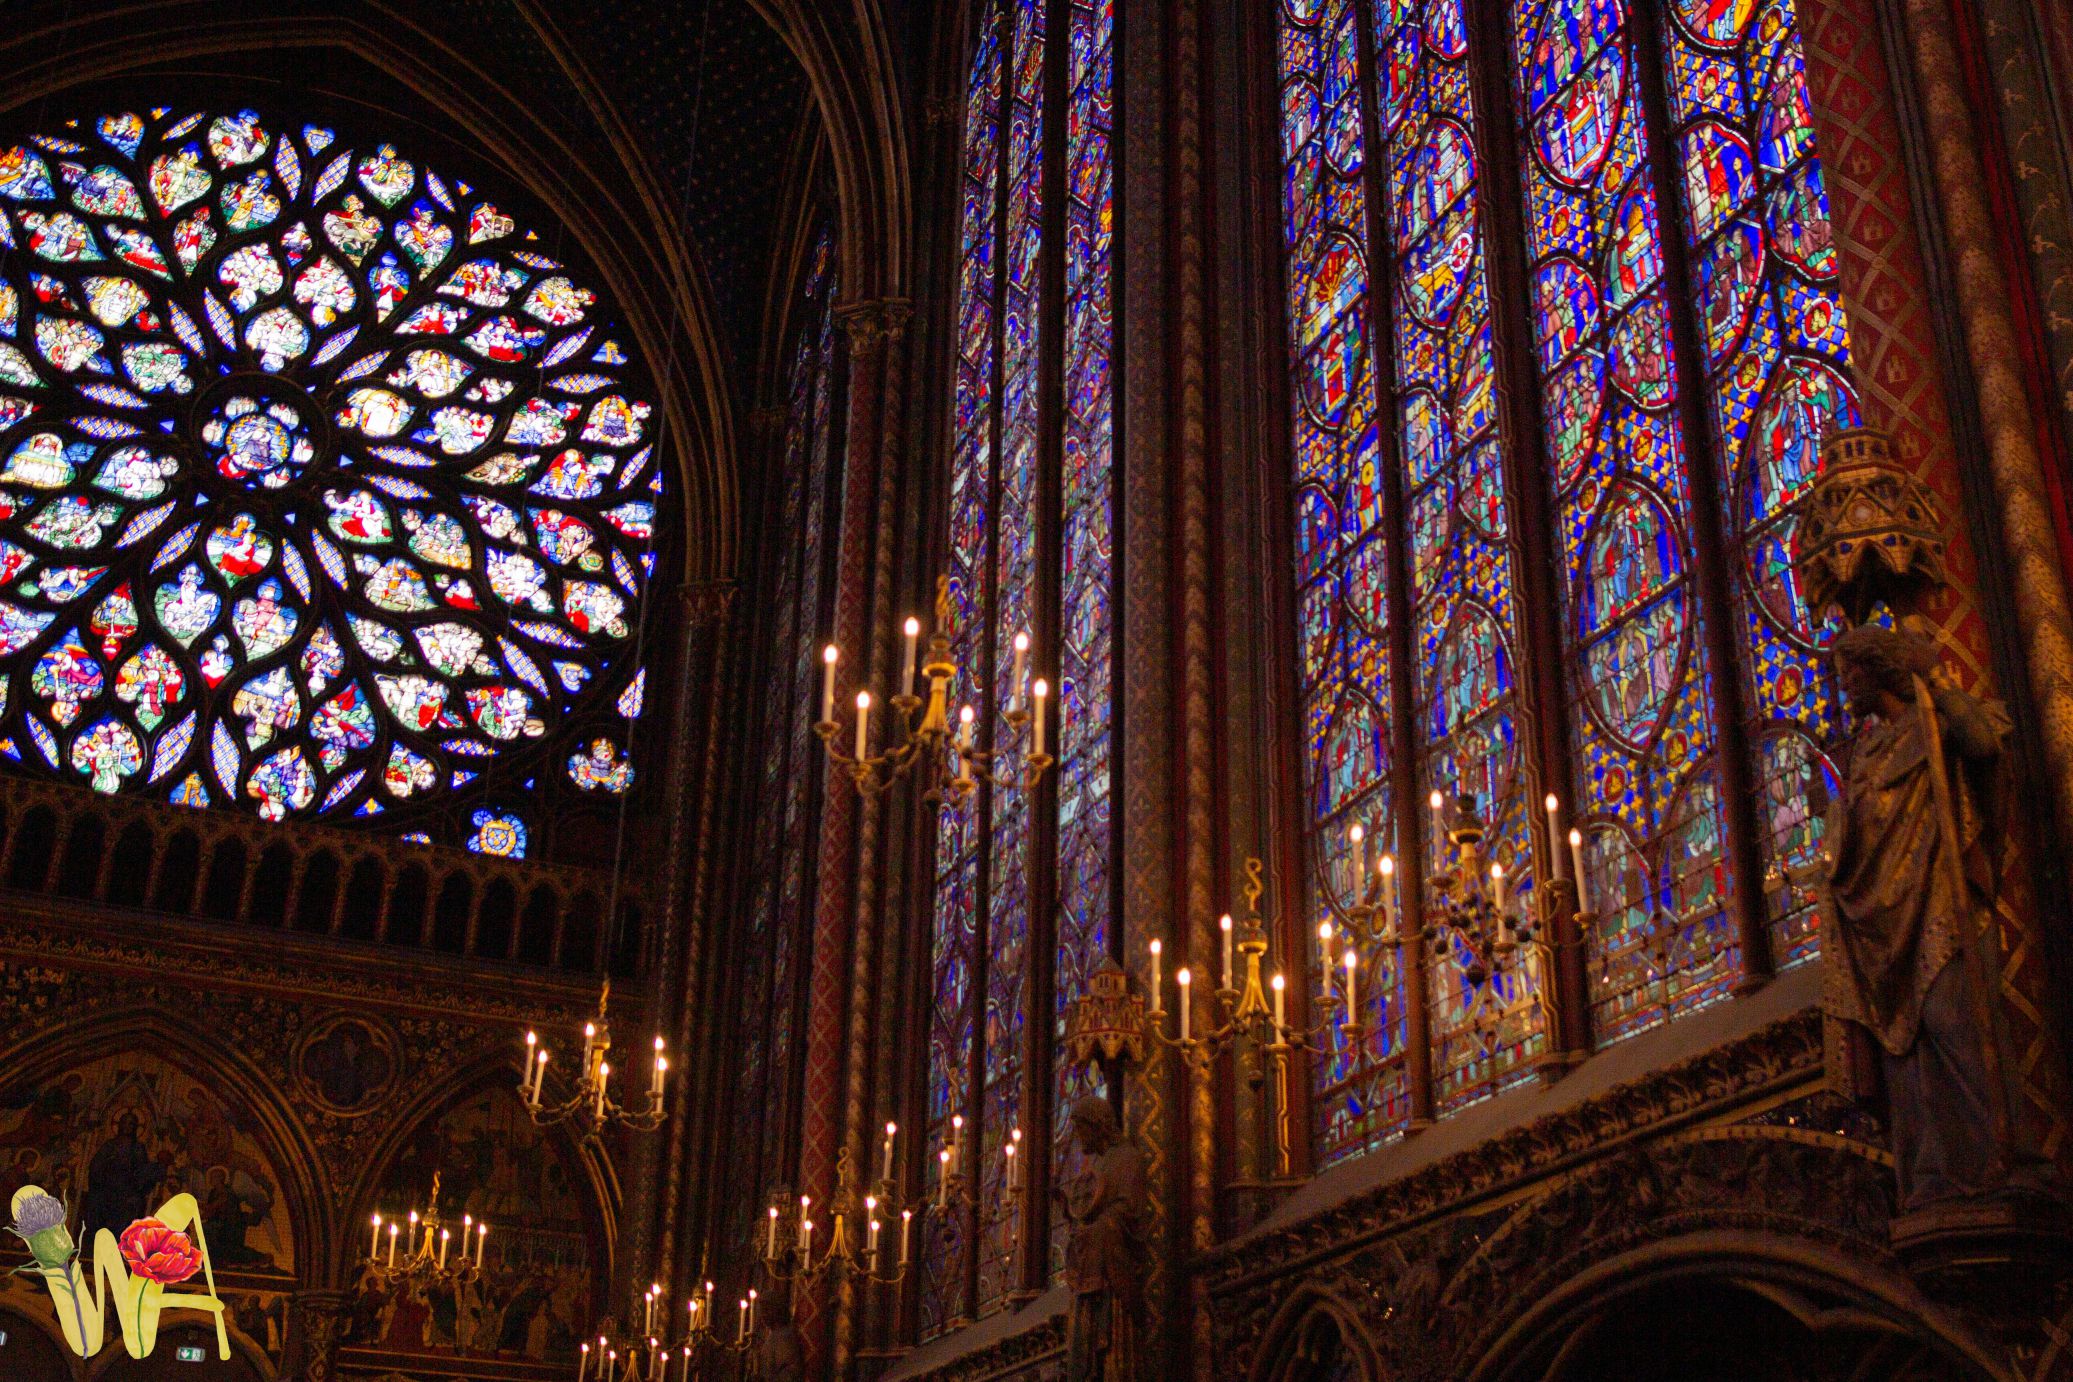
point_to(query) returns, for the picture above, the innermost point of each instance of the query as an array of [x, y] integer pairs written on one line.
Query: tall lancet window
[[799, 617], [1031, 535], [1411, 513]]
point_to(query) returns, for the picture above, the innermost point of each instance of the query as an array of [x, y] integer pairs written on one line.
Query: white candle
[[1280, 1020], [805, 1240], [1324, 942], [392, 1245], [1554, 808], [863, 721], [1224, 924], [907, 668], [1157, 1004], [890, 1129], [604, 1073], [871, 1239], [1015, 678], [481, 1241], [1388, 869], [1183, 979], [1352, 989], [830, 655], [906, 1224], [686, 1374], [1039, 691], [445, 1237], [741, 1329], [648, 1312], [1439, 830], [611, 1364], [1576, 860], [1009, 1152], [943, 1179], [957, 1134], [374, 1248], [525, 1072], [583, 1364], [1497, 886], [539, 1078], [966, 719], [661, 1068], [1359, 836], [589, 1042], [752, 1309]]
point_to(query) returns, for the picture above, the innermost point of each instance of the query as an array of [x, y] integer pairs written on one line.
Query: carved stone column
[[315, 1320], [821, 1118], [702, 609], [890, 320]]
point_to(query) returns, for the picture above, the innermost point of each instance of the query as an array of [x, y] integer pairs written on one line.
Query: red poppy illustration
[[158, 1253]]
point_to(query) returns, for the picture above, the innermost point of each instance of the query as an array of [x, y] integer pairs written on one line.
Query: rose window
[[322, 488]]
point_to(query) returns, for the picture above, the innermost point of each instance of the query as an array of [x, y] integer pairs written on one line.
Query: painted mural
[[533, 1294], [119, 1135]]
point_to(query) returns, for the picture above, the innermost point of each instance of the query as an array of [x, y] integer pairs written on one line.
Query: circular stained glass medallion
[[325, 488]]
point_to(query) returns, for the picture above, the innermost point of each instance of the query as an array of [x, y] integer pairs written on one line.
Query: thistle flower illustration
[[39, 1221]]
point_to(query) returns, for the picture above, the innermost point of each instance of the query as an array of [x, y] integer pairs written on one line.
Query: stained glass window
[[324, 489], [799, 616], [1008, 542], [1394, 405]]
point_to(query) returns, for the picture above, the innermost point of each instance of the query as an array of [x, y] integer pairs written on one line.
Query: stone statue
[[1916, 845], [1106, 1255]]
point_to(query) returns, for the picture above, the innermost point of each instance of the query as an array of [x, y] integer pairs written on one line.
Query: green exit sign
[[188, 1353]]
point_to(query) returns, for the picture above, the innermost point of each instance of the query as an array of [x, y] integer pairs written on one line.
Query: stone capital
[[874, 323]]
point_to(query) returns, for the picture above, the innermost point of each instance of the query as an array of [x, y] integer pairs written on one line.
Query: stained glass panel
[[1778, 348], [1361, 1096], [1085, 840], [1485, 1022], [954, 958], [414, 460], [1643, 711]]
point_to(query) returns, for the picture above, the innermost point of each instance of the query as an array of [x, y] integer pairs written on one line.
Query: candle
[[943, 1179], [661, 1065], [611, 1365], [525, 1072], [863, 721], [1015, 679], [604, 1073], [752, 1309], [481, 1242], [871, 1235], [806, 1240], [957, 1133], [1388, 871], [410, 1244], [770, 1248], [1183, 979], [1009, 1152], [1439, 830], [907, 668], [589, 1043], [1157, 1007], [445, 1237], [583, 1365], [1352, 992], [1497, 886], [686, 1374], [965, 717], [890, 1129], [741, 1329], [1554, 835], [906, 1224], [1576, 861], [539, 1078], [1280, 1021], [1359, 837], [1324, 942], [1224, 924], [830, 655], [648, 1312], [374, 1248], [1039, 692], [392, 1245]]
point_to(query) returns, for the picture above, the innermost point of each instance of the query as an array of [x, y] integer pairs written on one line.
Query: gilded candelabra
[[858, 1226], [922, 732], [592, 1105], [418, 1250], [620, 1353]]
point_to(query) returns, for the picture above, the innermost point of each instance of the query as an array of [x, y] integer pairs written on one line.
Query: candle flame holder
[[592, 1106], [429, 1257]]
